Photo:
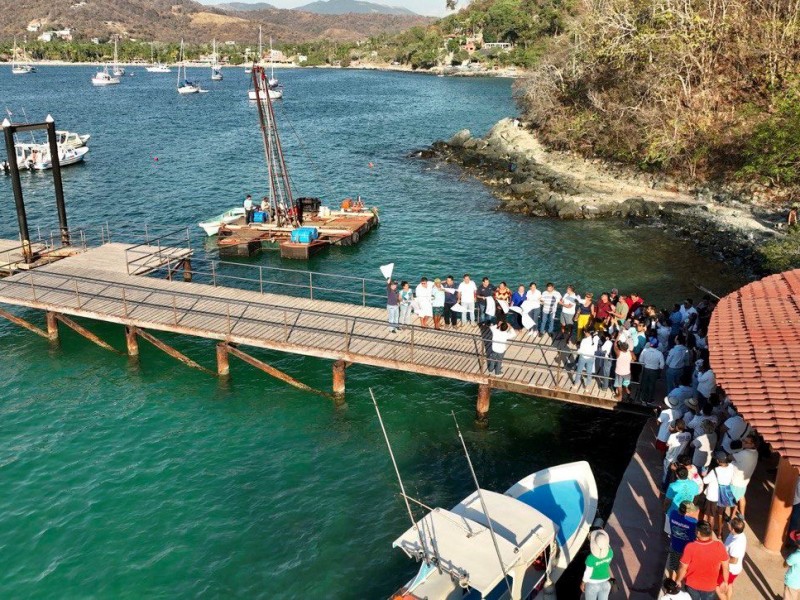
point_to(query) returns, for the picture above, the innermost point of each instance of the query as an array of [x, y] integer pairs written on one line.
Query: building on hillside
[[62, 34], [503, 46], [302, 58]]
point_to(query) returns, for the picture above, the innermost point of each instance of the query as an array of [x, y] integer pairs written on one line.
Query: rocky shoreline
[[528, 179]]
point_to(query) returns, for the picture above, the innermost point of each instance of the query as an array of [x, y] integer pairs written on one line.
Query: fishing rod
[[400, 481], [483, 503]]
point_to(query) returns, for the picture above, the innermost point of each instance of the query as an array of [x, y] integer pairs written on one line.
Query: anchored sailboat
[[154, 66], [216, 70], [117, 71], [270, 86], [104, 78], [184, 85], [20, 68]]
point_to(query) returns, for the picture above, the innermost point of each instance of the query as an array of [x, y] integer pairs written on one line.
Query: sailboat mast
[[271, 60], [483, 504], [399, 479], [266, 138]]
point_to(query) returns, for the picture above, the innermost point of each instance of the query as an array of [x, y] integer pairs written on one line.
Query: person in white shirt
[[735, 428], [248, 209], [706, 382], [675, 362], [704, 445], [501, 333], [586, 353], [652, 362], [677, 442], [696, 422], [604, 360], [569, 303], [424, 296], [533, 299], [466, 298], [550, 300], [745, 459], [736, 546], [672, 591]]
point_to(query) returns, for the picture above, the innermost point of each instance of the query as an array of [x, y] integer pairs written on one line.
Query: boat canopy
[[461, 541]]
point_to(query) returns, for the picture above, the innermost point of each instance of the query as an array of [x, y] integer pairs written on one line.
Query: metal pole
[[261, 278], [16, 185], [310, 285], [213, 275], [57, 183], [363, 292]]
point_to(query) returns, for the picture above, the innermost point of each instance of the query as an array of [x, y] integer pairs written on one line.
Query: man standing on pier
[[392, 305], [486, 290], [248, 209], [466, 297], [450, 300]]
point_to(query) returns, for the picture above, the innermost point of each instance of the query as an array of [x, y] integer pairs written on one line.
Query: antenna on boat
[[483, 502], [400, 479]]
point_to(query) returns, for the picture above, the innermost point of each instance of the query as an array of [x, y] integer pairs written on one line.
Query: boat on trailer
[[539, 524]]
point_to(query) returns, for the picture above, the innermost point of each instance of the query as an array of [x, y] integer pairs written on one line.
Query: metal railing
[[141, 257], [43, 245], [553, 361]]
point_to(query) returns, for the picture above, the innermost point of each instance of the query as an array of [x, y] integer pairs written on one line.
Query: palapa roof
[[754, 344]]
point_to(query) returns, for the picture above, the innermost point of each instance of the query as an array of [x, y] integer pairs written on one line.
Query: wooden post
[[781, 506], [52, 326], [339, 378], [133, 343], [187, 270], [223, 366], [484, 399]]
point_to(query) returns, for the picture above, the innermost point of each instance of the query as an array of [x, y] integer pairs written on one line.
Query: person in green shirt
[[596, 584]]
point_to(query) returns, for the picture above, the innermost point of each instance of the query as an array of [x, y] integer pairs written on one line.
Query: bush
[[772, 151]]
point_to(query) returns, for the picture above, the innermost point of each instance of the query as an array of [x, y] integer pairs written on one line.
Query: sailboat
[[117, 71], [509, 546], [273, 82], [272, 88], [104, 78], [18, 68], [216, 70], [154, 66], [247, 68], [184, 85]]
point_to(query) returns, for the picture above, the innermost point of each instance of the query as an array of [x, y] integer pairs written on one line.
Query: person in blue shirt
[[681, 490], [682, 530], [791, 581]]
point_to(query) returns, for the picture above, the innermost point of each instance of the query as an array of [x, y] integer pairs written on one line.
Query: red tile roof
[[754, 342]]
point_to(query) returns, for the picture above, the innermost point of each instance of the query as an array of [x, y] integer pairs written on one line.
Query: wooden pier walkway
[[97, 285]]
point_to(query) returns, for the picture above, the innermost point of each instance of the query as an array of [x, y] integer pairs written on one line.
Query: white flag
[[387, 270]]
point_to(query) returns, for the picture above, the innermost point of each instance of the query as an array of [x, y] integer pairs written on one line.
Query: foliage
[[772, 151], [783, 254]]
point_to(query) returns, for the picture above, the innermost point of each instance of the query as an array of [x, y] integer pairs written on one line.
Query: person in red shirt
[[702, 564], [602, 312], [634, 301]]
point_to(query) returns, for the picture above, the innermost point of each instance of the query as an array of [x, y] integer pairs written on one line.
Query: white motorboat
[[184, 85], [535, 529], [104, 78], [216, 70], [37, 156], [211, 226], [18, 68], [117, 71], [69, 139]]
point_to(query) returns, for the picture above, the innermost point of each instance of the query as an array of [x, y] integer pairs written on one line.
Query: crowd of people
[[618, 338]]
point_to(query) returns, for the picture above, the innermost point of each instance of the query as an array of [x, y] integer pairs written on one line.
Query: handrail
[[444, 335]]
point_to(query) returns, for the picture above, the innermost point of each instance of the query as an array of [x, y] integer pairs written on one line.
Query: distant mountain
[[245, 6], [342, 7], [173, 20]]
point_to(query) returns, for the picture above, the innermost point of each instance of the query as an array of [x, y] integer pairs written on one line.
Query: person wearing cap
[[736, 546], [392, 304], [690, 409], [437, 302], [652, 362], [670, 414], [682, 531], [734, 428], [701, 564], [596, 583], [791, 581]]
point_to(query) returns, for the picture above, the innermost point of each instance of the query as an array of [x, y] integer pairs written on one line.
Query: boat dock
[[109, 283]]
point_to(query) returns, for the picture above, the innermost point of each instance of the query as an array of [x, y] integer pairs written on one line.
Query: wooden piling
[[270, 370], [52, 326], [223, 365], [169, 350], [484, 400], [132, 341], [187, 270], [339, 380], [23, 323]]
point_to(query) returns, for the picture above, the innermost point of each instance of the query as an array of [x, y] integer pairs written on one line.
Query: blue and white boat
[[511, 546]]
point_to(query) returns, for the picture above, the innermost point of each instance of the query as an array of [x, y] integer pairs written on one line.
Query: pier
[[152, 287]]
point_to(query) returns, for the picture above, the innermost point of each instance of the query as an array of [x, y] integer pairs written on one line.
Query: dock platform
[[105, 284]]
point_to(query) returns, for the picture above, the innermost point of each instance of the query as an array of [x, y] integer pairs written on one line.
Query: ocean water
[[146, 479]]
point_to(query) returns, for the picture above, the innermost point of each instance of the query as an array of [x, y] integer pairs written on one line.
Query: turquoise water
[[131, 480]]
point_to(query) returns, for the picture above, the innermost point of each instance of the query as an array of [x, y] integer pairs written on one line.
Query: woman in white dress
[[424, 299]]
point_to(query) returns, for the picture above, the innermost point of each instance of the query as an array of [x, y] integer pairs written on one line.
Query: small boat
[[69, 139], [272, 82], [184, 85], [104, 78], [37, 156], [154, 66], [117, 71], [216, 70], [211, 226], [273, 94], [536, 529], [20, 68]]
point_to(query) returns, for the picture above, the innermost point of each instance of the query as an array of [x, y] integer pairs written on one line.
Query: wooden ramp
[[96, 285]]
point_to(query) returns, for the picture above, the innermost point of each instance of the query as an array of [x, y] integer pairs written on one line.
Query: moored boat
[[20, 68], [184, 85], [70, 139], [104, 78], [36, 157], [212, 225], [510, 546]]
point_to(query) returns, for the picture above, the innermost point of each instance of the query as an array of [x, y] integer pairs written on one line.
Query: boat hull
[[104, 82], [188, 89], [273, 94]]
